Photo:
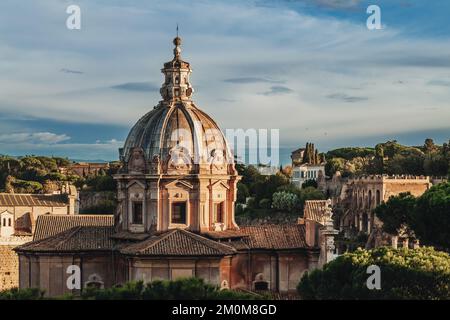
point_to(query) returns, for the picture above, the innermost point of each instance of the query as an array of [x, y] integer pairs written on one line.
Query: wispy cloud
[[346, 98], [252, 80], [36, 137], [64, 70], [277, 90], [136, 86], [226, 100]]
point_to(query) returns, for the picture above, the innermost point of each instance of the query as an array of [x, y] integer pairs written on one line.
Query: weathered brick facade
[[9, 262]]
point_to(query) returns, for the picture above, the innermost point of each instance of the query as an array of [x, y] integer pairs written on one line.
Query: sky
[[308, 68]]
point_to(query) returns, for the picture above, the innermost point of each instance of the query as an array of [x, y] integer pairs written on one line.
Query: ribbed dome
[[181, 124], [176, 132]]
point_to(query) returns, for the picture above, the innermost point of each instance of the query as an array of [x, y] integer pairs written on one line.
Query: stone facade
[[363, 194], [9, 261]]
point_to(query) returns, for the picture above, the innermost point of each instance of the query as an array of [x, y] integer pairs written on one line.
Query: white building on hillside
[[304, 172]]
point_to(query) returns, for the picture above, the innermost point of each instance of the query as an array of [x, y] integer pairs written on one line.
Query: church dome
[[176, 132]]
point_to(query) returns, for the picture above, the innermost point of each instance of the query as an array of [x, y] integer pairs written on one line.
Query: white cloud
[[33, 138]]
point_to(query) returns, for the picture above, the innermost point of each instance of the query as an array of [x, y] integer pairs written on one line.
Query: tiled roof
[[33, 200], [275, 236], [51, 224], [239, 244], [227, 234], [127, 235], [315, 210], [77, 239], [178, 242]]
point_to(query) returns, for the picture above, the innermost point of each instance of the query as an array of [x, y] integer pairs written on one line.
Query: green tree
[[106, 206], [436, 165], [311, 193], [242, 193], [24, 186], [405, 274], [101, 183], [333, 165], [396, 211], [429, 146], [309, 183], [265, 203], [265, 188], [350, 152], [431, 218]]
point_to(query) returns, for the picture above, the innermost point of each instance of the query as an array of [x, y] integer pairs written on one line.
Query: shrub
[[285, 201], [405, 274], [22, 294], [264, 203], [181, 289], [309, 183]]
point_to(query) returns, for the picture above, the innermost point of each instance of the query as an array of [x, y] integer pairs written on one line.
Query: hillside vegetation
[[391, 158]]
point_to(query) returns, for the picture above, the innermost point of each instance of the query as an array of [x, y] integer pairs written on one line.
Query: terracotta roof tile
[[52, 224], [239, 244], [275, 236], [227, 234], [33, 200], [127, 235], [178, 242], [315, 210], [75, 239]]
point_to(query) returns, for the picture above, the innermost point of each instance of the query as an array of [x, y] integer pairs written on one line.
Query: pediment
[[6, 213], [179, 183], [135, 182], [219, 184]]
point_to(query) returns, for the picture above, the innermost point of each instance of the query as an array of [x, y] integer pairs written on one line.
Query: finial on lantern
[[177, 43]]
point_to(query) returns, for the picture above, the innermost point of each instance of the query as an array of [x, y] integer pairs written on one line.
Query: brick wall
[[9, 261], [9, 267]]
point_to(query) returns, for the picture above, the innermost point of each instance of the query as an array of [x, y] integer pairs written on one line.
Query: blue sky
[[309, 68]]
